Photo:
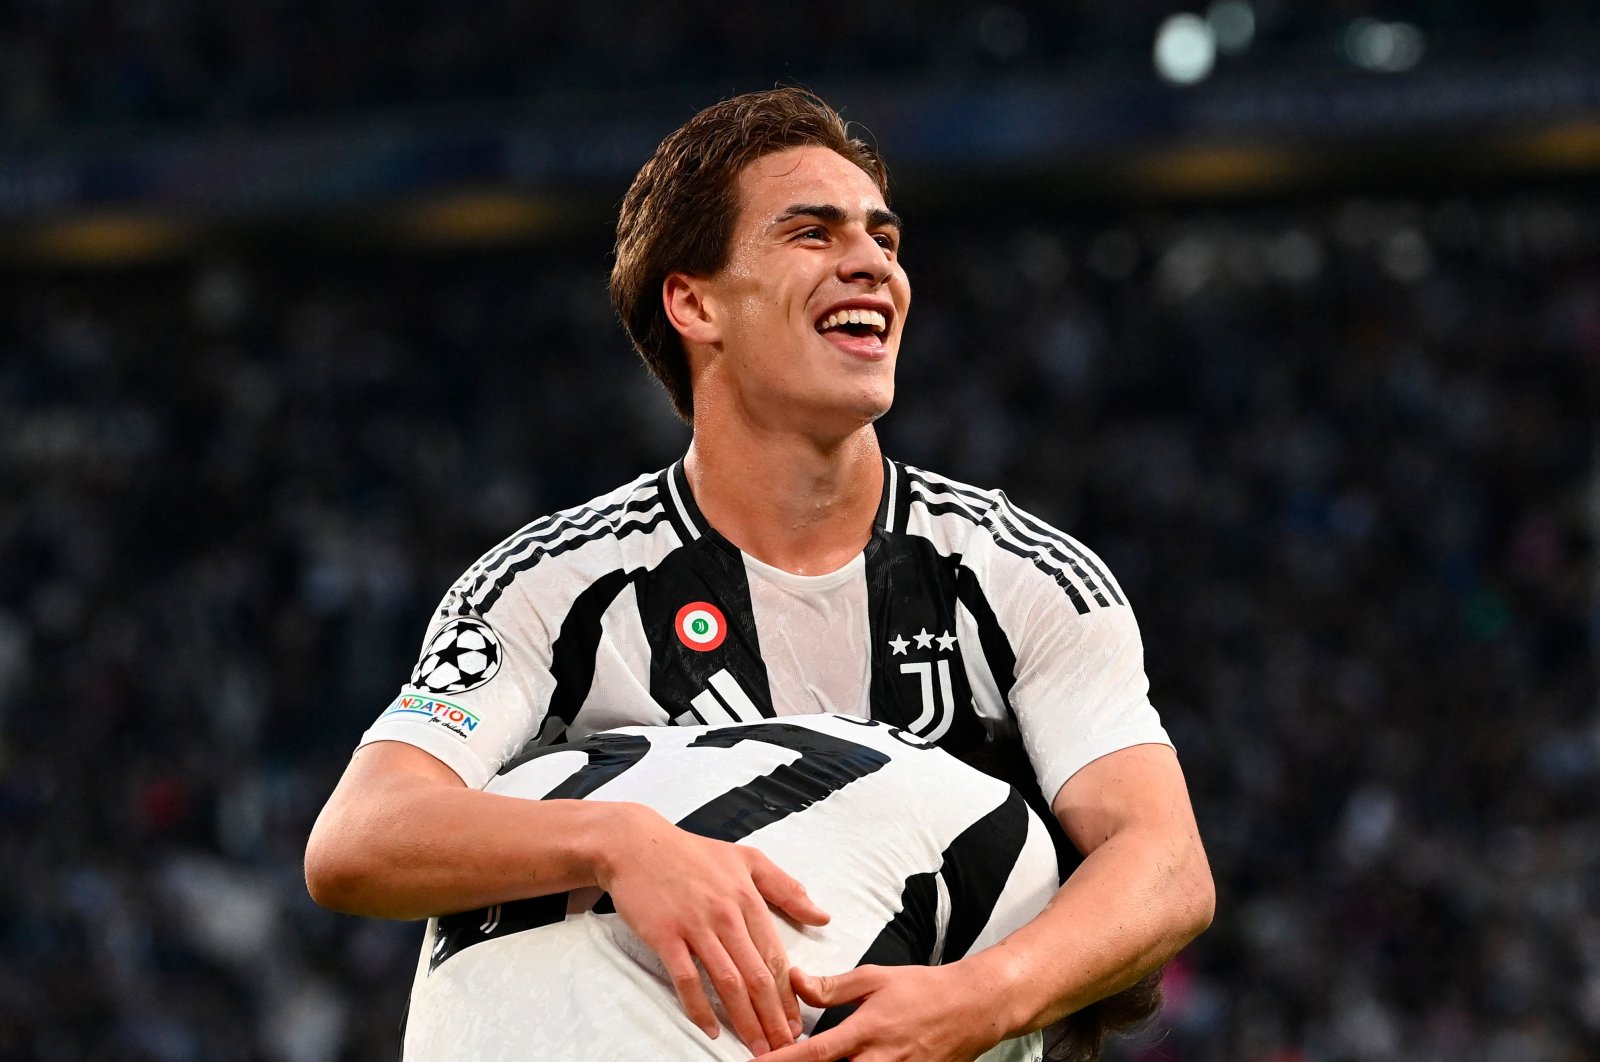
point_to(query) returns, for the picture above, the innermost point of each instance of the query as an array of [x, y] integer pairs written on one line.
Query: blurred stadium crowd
[[1341, 455], [99, 62]]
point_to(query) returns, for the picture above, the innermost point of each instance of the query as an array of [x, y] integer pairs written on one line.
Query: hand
[[906, 1014], [689, 898]]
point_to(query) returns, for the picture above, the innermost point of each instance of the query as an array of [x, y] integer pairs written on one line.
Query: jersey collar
[[691, 523]]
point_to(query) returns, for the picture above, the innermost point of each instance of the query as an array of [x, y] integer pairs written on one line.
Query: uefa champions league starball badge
[[462, 656]]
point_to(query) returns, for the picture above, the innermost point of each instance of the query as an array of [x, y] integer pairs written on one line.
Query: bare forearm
[[1133, 903], [391, 850]]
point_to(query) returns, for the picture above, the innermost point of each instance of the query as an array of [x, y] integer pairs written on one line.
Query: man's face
[[808, 312]]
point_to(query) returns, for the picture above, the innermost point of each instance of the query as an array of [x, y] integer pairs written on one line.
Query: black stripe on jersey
[[609, 756], [572, 654], [1039, 561], [709, 569], [622, 749], [457, 932], [1060, 577], [684, 499], [509, 575], [1015, 548], [992, 639], [1005, 758], [896, 499], [1067, 542], [672, 487], [826, 765], [912, 588], [907, 939], [1038, 532], [1056, 545], [975, 868], [548, 528], [1026, 528]]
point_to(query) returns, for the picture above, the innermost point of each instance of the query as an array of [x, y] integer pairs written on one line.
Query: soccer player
[[784, 566], [922, 858]]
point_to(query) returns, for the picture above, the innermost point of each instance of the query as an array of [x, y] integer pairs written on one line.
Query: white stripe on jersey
[[725, 702], [566, 534], [1088, 567], [617, 696], [986, 698], [576, 520], [942, 916], [1007, 524], [683, 510], [894, 483]]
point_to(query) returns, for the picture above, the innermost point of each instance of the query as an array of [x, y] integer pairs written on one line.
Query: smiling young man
[[783, 567]]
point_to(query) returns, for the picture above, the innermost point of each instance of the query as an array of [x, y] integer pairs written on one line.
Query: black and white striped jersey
[[964, 619], [918, 858]]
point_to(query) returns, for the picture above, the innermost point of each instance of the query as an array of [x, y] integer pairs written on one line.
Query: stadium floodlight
[[1186, 49], [1384, 47], [1233, 24]]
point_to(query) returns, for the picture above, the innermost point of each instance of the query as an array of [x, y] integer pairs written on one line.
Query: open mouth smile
[[859, 323]]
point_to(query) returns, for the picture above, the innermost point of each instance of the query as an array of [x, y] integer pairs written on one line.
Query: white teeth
[[872, 318]]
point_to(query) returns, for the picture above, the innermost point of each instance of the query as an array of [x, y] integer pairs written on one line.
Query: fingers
[[829, 991], [836, 1043], [761, 956], [785, 893], [846, 1040], [685, 977], [738, 1001]]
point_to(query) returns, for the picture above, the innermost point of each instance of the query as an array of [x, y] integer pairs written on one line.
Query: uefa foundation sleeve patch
[[461, 656], [452, 717]]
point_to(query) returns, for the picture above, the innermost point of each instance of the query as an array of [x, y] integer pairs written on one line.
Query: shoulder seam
[[634, 508], [1056, 554]]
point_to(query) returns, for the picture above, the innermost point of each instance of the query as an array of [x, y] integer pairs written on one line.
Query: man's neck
[[787, 500]]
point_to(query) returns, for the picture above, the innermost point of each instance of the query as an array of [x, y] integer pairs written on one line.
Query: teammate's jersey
[[918, 858], [964, 619]]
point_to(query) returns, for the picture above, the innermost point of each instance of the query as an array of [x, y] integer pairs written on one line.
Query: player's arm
[[403, 837], [1143, 890]]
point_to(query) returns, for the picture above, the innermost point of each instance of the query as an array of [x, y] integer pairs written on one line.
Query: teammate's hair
[[678, 216], [1080, 1037]]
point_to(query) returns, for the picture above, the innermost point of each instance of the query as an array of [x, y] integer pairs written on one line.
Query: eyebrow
[[876, 218]]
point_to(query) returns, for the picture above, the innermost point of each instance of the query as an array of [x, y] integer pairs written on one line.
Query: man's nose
[[863, 258]]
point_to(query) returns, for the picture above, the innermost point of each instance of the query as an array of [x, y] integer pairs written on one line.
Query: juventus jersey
[[965, 619], [918, 858]]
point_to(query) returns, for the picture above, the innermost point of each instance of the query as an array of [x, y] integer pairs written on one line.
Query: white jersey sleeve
[[482, 689], [474, 697], [1078, 688]]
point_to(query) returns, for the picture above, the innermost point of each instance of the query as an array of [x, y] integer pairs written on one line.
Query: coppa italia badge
[[701, 626]]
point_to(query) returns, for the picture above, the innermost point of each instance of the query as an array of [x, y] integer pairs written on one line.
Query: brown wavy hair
[[1082, 1035], [679, 214]]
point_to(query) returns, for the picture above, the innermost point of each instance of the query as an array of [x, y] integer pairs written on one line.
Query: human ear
[[684, 298]]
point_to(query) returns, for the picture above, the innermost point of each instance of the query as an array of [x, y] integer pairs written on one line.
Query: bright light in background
[[1186, 49], [1233, 23], [1386, 47]]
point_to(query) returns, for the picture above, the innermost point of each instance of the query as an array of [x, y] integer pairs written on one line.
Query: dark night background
[[302, 308]]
